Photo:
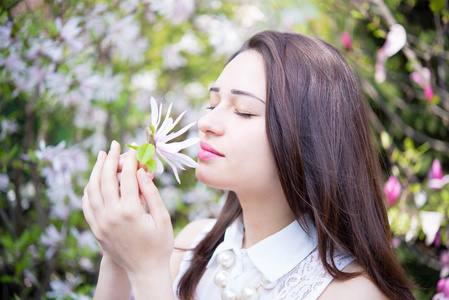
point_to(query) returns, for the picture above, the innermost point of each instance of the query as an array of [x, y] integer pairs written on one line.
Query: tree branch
[[397, 121]]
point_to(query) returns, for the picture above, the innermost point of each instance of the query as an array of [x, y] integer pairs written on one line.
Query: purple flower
[[396, 39], [392, 190]]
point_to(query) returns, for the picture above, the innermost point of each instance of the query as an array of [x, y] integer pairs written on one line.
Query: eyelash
[[244, 115]]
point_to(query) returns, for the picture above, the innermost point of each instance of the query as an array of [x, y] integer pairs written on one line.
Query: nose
[[211, 123]]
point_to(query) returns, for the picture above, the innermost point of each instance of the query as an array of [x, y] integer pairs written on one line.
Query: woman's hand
[[140, 242]]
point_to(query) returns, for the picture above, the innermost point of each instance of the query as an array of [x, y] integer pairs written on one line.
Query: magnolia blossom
[[436, 178], [8, 126], [444, 262], [123, 37], [442, 289], [392, 189], [4, 182], [172, 58], [60, 166], [346, 39], [224, 36], [423, 79], [420, 199], [63, 289], [176, 11], [45, 47], [169, 152], [5, 35], [85, 239], [69, 32], [396, 39], [430, 224], [109, 86], [249, 15], [52, 238]]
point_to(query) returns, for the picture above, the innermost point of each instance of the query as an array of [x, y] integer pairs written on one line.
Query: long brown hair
[[318, 131]]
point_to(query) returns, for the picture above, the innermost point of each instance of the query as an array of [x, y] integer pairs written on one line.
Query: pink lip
[[208, 152]]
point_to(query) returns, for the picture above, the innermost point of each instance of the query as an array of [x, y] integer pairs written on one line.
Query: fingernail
[[144, 176], [100, 155], [114, 144]]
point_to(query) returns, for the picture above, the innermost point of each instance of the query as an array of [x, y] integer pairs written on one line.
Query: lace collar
[[277, 254]]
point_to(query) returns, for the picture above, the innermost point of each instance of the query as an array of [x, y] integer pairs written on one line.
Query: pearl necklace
[[226, 260]]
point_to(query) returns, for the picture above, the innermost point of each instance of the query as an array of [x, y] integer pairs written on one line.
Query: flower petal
[[177, 133], [154, 113], [174, 123], [177, 146]]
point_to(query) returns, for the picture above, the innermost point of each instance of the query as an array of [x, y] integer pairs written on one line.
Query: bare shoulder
[[360, 287], [184, 240]]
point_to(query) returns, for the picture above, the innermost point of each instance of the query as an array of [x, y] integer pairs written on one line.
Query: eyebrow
[[238, 92]]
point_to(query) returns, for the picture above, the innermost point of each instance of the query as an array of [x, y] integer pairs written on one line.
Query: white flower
[[63, 289], [4, 182], [8, 126], [109, 86], [169, 152], [176, 11], [396, 39], [5, 36], [430, 223], [69, 32]]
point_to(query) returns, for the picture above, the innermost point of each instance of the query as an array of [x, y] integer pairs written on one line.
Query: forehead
[[245, 72]]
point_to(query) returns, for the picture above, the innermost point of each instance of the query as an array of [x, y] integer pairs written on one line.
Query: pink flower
[[346, 40], [392, 189], [443, 288], [423, 79], [396, 39], [444, 263], [436, 171], [436, 178]]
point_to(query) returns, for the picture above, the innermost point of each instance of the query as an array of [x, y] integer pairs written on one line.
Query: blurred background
[[74, 75]]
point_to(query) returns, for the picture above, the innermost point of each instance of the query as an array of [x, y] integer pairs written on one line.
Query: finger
[[129, 187], [121, 161], [152, 197], [88, 213], [109, 183], [93, 188]]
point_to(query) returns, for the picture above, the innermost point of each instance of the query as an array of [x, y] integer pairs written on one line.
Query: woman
[[287, 136]]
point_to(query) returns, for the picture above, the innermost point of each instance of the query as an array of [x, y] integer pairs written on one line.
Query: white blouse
[[289, 259]]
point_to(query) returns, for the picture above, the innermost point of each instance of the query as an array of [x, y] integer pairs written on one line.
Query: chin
[[209, 179]]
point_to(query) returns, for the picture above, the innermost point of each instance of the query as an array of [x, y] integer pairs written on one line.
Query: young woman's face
[[235, 154]]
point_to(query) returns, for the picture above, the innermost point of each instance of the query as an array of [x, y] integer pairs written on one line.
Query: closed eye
[[244, 115]]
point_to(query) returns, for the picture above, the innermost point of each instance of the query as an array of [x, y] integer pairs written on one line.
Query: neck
[[264, 214]]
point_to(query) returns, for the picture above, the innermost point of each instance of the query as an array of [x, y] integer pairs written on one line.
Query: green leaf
[[131, 146], [145, 152], [436, 5], [151, 165], [153, 130]]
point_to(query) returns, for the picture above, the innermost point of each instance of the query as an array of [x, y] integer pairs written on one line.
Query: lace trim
[[309, 278]]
